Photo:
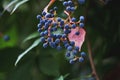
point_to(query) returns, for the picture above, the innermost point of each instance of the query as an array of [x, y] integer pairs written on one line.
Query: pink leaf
[[78, 39]]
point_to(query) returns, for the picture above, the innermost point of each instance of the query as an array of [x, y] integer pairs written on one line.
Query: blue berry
[[54, 24], [72, 43], [66, 45], [69, 3], [42, 39], [43, 13], [64, 36], [77, 33], [81, 24], [48, 15], [39, 30], [71, 61], [58, 19], [6, 38], [65, 3], [54, 29], [66, 26], [82, 18], [39, 25], [61, 23], [81, 59], [57, 41], [52, 44], [67, 54], [73, 26], [59, 47], [45, 32], [83, 54], [73, 19], [74, 52], [77, 48], [68, 8], [39, 17], [49, 39], [81, 1], [42, 34], [45, 45], [72, 9], [69, 48]]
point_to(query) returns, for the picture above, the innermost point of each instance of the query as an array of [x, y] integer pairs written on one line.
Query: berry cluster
[[55, 31]]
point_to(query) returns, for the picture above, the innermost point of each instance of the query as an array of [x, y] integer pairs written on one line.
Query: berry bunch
[[57, 32]]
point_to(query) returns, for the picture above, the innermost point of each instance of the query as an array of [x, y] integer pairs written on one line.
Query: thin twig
[[94, 73]]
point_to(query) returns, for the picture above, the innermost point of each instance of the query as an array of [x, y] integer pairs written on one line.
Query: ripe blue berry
[[69, 3], [73, 19], [82, 18], [74, 52], [72, 43], [45, 45], [39, 17], [42, 39], [49, 39], [77, 33], [42, 34], [65, 3], [66, 26], [73, 26], [81, 25], [67, 54], [81, 59], [6, 38], [43, 13], [58, 19], [71, 61], [57, 41], [59, 47], [83, 54], [69, 48]]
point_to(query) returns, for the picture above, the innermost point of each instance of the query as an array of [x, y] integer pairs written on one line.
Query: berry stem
[[49, 4], [94, 73]]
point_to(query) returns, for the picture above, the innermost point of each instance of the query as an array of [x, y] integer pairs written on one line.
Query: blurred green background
[[103, 32]]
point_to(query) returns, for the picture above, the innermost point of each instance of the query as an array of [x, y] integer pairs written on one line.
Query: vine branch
[[94, 73]]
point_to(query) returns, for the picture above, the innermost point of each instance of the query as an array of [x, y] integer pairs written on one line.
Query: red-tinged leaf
[[78, 39]]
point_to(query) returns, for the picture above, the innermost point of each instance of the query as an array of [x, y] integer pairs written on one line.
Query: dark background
[[103, 32]]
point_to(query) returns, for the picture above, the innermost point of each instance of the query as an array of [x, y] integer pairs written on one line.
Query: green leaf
[[61, 78], [31, 36], [9, 5], [13, 34], [17, 5], [36, 42]]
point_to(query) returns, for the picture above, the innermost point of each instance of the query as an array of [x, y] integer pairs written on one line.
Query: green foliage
[[37, 63]]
